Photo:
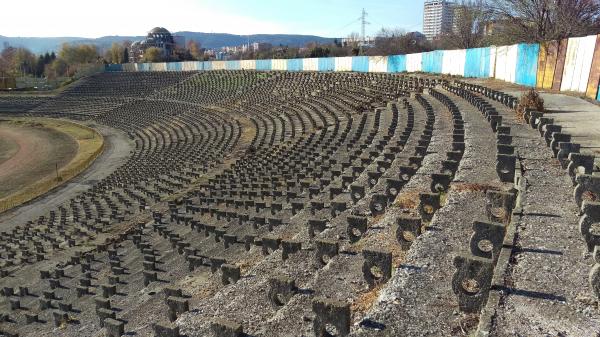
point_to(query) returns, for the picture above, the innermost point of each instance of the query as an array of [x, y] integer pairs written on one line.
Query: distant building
[[253, 47], [158, 37], [369, 41], [457, 13], [438, 18], [417, 36]]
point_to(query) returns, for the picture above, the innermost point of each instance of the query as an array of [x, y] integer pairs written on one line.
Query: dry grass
[[467, 187], [248, 131], [465, 325], [589, 196], [365, 300], [90, 146], [407, 200], [529, 100]]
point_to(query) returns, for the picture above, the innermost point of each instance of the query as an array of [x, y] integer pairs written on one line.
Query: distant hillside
[[207, 40]]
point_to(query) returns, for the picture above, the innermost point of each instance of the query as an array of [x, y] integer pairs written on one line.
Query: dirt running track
[[34, 153], [117, 148]]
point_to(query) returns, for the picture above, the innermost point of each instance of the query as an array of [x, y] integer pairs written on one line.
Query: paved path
[[545, 291], [117, 149], [578, 117]]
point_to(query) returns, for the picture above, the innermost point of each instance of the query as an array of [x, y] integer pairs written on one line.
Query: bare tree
[[195, 49], [470, 18], [397, 41], [542, 20]]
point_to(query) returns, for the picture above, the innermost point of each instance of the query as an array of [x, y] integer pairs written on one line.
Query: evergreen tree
[[40, 65], [125, 55]]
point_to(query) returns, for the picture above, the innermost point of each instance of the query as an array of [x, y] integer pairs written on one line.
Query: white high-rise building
[[437, 18]]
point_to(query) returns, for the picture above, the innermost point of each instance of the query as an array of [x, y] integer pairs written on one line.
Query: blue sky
[[330, 18]]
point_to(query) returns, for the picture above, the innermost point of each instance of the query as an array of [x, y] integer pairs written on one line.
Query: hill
[[207, 40]]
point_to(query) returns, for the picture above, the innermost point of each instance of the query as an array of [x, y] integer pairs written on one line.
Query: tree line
[[18, 61]]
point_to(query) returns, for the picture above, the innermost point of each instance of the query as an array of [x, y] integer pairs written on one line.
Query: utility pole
[[364, 24]]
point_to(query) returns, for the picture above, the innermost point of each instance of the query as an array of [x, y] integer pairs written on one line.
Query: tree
[[78, 54], [470, 18], [153, 54], [58, 67], [397, 41], [6, 60], [353, 40], [319, 51], [17, 61], [40, 65], [116, 53], [543, 20], [125, 55], [194, 49]]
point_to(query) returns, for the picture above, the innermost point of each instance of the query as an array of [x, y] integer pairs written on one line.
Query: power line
[[346, 26]]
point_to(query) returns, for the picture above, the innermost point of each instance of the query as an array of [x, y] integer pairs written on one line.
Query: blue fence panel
[[263, 65], [396, 64], [207, 65], [487, 62], [295, 65], [598, 98], [360, 64], [145, 67], [432, 62], [427, 62], [174, 66], [232, 65], [527, 64], [114, 67], [477, 63], [326, 64]]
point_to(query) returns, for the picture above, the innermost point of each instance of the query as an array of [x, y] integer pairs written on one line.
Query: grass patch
[[90, 146]]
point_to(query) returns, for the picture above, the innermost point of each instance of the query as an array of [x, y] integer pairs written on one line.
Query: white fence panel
[[493, 51], [578, 63], [506, 63], [129, 67], [378, 64], [162, 66], [218, 65], [414, 62], [454, 62], [248, 64], [311, 64], [343, 63], [189, 66], [279, 64], [511, 67], [501, 57]]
